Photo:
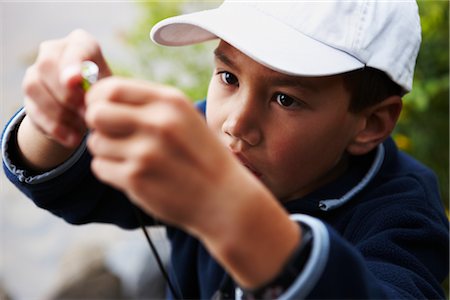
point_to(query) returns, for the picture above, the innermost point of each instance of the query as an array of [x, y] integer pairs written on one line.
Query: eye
[[286, 101], [228, 78]]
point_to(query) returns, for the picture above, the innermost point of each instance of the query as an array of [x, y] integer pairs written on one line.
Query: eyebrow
[[220, 55]]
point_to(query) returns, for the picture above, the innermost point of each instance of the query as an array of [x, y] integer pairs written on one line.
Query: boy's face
[[291, 132]]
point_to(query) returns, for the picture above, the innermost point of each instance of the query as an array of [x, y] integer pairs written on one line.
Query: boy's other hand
[[54, 98], [149, 141]]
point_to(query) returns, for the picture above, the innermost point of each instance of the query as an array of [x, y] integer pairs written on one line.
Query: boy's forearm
[[256, 240], [37, 151]]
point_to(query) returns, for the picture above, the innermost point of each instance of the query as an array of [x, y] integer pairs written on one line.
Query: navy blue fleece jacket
[[380, 230]]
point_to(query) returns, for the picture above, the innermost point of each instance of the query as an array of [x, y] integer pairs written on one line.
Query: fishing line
[[155, 253], [89, 74]]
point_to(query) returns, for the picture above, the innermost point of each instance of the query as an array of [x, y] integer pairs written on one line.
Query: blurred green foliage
[[188, 68], [423, 129]]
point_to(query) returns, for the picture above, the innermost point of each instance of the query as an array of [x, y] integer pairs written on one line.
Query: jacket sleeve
[[69, 191], [397, 252]]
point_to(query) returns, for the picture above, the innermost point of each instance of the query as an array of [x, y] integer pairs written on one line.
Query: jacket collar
[[333, 195]]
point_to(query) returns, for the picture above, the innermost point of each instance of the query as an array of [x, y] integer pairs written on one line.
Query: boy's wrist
[[256, 221], [291, 270], [37, 151]]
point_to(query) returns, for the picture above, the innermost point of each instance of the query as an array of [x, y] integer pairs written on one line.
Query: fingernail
[[81, 111], [71, 140], [70, 73]]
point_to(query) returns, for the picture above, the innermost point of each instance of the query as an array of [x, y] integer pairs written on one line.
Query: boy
[[291, 189]]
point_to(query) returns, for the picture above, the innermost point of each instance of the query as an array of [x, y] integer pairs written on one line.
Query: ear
[[378, 121]]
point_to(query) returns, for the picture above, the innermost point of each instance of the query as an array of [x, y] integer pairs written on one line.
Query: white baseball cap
[[309, 38]]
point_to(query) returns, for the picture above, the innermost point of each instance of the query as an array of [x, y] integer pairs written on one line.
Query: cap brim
[[267, 41]]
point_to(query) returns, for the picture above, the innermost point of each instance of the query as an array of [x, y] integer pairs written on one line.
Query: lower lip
[[243, 162], [257, 174]]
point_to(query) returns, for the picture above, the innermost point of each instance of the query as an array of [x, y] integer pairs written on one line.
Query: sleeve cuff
[[26, 176], [314, 266], [317, 261]]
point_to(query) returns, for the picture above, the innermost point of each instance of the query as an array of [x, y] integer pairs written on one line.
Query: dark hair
[[369, 86]]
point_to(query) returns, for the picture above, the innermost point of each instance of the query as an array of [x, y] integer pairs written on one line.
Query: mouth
[[244, 161]]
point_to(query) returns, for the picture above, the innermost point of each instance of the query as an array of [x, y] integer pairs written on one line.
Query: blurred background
[[39, 253]]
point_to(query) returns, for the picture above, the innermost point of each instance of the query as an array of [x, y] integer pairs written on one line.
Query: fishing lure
[[89, 74]]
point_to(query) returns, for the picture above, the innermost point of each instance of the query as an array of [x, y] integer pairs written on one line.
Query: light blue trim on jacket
[[22, 175], [330, 204], [317, 261], [315, 265]]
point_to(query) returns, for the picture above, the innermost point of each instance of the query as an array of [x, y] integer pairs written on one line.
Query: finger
[[132, 91], [110, 171], [124, 176], [143, 106], [111, 118], [82, 46], [47, 69], [100, 145], [59, 64], [116, 174], [36, 91], [147, 150]]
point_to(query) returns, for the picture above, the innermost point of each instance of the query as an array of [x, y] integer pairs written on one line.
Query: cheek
[[288, 153], [213, 116], [299, 159]]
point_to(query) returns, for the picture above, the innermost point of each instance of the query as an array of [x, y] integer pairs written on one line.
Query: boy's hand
[[54, 98], [150, 142]]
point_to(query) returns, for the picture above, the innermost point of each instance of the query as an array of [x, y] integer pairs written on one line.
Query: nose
[[244, 122]]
